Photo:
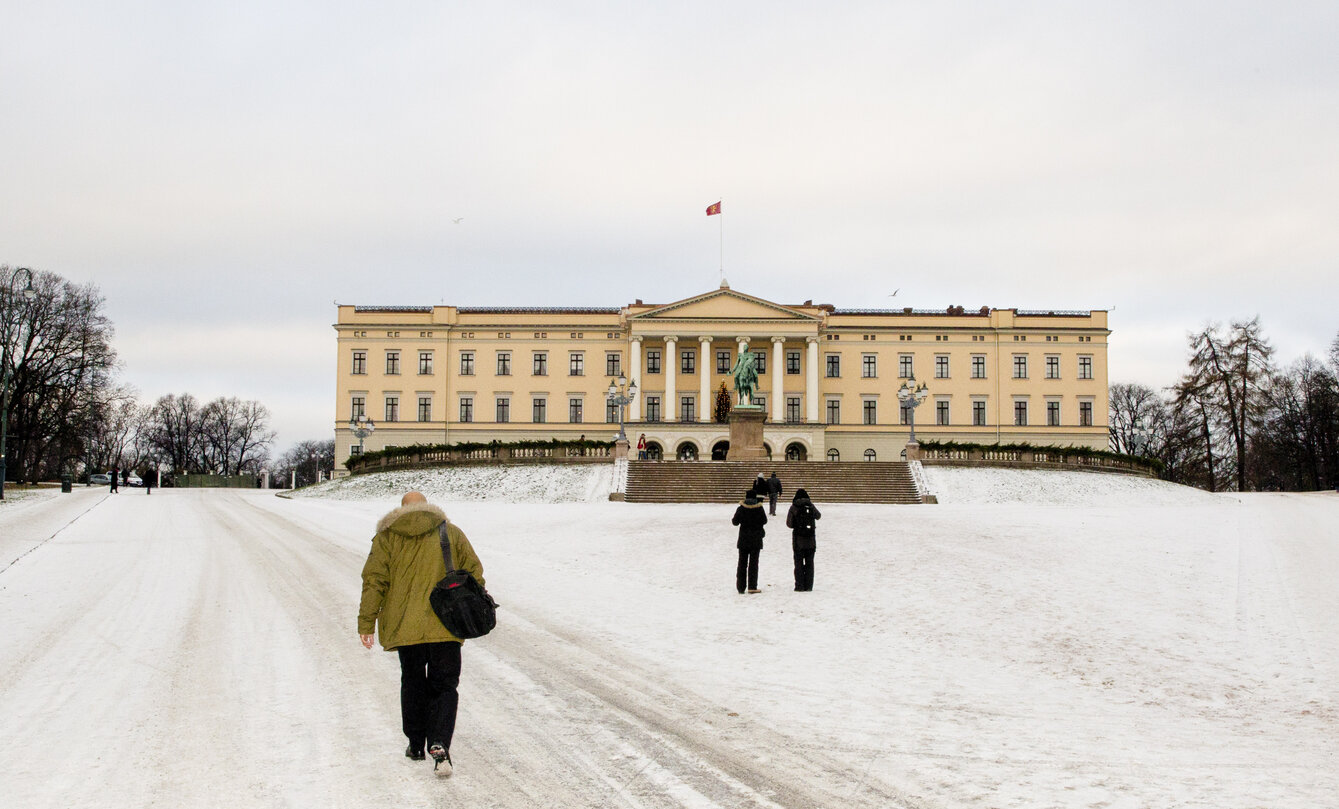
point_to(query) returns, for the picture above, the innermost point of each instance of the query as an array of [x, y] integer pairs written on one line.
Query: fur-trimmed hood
[[415, 519]]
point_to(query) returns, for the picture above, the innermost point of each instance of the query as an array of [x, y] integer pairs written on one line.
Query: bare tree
[[309, 460], [1137, 415], [235, 435], [172, 430], [59, 357], [114, 439], [1225, 384], [1297, 443]]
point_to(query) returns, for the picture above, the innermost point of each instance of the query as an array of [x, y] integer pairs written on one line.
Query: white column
[[634, 375], [705, 363], [811, 381], [671, 407], [778, 377]]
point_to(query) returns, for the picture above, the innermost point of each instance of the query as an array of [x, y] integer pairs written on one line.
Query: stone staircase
[[726, 481]]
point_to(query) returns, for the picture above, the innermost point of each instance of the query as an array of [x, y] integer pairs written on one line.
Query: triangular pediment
[[724, 304]]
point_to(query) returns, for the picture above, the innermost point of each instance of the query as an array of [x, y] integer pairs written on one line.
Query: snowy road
[[197, 648]]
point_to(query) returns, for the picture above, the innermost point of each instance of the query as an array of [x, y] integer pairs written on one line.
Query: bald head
[[411, 498]]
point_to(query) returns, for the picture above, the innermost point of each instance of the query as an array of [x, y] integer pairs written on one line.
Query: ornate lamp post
[[28, 294], [362, 427], [621, 394], [911, 397]]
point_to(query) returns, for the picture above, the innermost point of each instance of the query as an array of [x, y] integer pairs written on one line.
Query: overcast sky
[[225, 172]]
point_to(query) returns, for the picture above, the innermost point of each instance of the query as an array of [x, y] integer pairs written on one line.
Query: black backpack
[[462, 604]]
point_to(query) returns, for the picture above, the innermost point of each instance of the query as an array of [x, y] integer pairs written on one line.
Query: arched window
[[795, 452], [687, 451], [720, 450], [834, 455], [870, 455], [654, 451]]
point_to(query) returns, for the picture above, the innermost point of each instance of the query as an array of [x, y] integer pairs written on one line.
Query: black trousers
[[747, 572], [804, 570], [429, 674]]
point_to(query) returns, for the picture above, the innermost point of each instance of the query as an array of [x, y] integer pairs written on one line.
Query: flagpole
[[722, 232]]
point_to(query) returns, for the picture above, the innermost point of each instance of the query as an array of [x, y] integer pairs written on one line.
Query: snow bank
[[544, 483], [970, 486]]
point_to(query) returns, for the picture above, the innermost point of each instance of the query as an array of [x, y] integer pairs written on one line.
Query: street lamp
[[1139, 438], [911, 398], [621, 394], [28, 294], [362, 427]]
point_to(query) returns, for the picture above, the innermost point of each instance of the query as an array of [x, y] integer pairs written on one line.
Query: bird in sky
[[457, 221], [895, 291]]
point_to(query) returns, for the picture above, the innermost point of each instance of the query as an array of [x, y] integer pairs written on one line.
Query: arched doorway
[[768, 447], [654, 452], [795, 451], [834, 455], [719, 450], [687, 451], [871, 455]]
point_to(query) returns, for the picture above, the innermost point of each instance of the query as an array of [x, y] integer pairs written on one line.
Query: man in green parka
[[403, 566]]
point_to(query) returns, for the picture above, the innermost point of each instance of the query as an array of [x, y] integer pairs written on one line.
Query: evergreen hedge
[[356, 461], [1069, 452]]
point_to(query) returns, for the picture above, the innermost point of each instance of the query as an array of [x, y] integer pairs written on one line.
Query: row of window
[[576, 364], [870, 413], [906, 368], [688, 410]]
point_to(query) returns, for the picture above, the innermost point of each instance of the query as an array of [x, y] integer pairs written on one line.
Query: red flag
[[713, 209]]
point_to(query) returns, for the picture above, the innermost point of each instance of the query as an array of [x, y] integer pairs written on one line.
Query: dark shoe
[[441, 760], [414, 754]]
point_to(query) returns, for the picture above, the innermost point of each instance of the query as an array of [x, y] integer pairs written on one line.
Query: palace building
[[828, 377]]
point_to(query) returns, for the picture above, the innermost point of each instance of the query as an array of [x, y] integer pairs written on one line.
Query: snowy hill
[[556, 483], [537, 483]]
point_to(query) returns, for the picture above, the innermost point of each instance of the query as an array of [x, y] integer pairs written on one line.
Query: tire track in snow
[[598, 729]]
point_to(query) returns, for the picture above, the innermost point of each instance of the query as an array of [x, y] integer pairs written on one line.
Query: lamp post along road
[[362, 427], [28, 294], [911, 397], [621, 393]]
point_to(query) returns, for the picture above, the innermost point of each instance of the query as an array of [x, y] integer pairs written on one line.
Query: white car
[[100, 479], [134, 480]]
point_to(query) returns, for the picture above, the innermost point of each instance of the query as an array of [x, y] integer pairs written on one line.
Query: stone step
[[726, 481]]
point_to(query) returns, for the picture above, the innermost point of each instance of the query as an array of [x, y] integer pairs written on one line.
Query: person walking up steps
[[750, 518], [803, 538], [773, 492], [403, 566]]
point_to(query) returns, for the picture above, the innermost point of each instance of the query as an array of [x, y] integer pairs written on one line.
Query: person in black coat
[[750, 518], [773, 492], [803, 541], [115, 476]]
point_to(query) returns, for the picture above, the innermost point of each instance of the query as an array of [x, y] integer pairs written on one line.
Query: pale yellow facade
[[829, 377]]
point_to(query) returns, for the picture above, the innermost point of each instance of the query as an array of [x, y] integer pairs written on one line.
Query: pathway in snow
[[197, 648]]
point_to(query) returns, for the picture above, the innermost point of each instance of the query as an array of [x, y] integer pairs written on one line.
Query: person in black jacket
[[773, 492], [750, 518], [760, 487], [800, 520]]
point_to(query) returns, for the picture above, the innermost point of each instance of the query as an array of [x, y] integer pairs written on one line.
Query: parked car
[[100, 479], [134, 480]]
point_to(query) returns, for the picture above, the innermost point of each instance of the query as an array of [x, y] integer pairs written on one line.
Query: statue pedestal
[[746, 434]]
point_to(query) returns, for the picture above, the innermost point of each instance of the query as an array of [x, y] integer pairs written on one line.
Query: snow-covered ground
[[1129, 647], [1055, 487], [511, 484]]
